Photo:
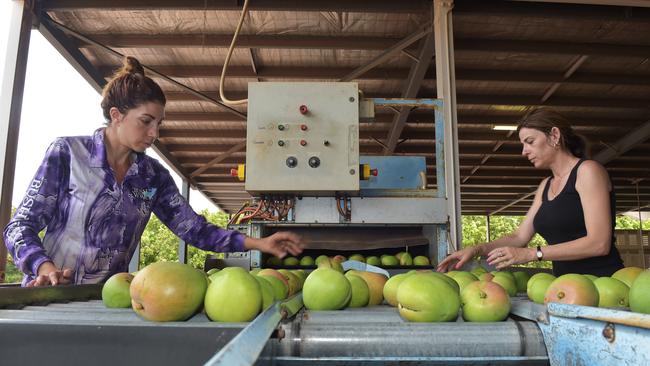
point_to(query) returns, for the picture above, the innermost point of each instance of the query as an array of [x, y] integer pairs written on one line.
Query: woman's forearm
[[581, 248]]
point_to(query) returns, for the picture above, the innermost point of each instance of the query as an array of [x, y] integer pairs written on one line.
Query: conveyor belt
[[85, 331], [77, 332]]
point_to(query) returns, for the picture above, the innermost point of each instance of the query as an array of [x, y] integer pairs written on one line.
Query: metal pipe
[[20, 296], [182, 245], [487, 228], [446, 90], [503, 339]]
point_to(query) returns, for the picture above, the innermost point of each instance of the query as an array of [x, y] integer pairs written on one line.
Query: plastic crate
[[629, 244]]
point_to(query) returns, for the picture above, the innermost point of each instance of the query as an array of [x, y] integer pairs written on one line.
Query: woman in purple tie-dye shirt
[[95, 194]]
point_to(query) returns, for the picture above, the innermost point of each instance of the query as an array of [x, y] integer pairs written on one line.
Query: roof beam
[[571, 69], [411, 89], [625, 144], [413, 138], [467, 151], [221, 157], [419, 117], [508, 100], [423, 136], [225, 178], [388, 53], [635, 3], [362, 43], [224, 170], [333, 73], [246, 41], [556, 11], [69, 49], [465, 7], [151, 70], [551, 47], [251, 54], [377, 6]]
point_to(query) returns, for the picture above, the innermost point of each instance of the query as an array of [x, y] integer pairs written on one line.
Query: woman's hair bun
[[129, 88], [132, 66]]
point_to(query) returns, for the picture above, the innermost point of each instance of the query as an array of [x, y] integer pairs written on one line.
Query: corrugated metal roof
[[509, 57]]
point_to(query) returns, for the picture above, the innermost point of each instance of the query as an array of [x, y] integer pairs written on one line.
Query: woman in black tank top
[[574, 210]]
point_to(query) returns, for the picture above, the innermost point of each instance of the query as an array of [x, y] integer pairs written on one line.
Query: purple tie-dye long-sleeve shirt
[[94, 223]]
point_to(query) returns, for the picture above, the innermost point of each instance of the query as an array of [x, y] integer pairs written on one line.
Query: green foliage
[[13, 274], [160, 244], [474, 228], [626, 222], [195, 256], [474, 233]]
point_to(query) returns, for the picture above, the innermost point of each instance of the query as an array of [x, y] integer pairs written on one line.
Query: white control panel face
[[302, 138]]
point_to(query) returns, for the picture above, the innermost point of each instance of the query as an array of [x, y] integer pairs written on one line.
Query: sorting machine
[[304, 169], [305, 172]]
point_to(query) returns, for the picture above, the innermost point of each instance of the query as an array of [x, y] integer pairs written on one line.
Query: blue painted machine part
[[436, 105], [395, 172], [585, 335]]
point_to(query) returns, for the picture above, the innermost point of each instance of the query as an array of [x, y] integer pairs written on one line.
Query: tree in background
[[474, 228], [474, 233], [159, 244], [626, 222]]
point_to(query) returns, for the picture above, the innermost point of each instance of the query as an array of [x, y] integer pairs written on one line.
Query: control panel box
[[302, 138]]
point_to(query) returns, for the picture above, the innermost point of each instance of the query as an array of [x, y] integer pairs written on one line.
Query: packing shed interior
[[590, 62]]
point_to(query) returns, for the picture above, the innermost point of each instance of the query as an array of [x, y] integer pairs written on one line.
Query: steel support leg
[[446, 88], [182, 245], [11, 102]]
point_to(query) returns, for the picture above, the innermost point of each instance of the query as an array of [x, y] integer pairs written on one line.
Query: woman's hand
[[507, 256], [49, 275], [279, 244], [460, 257]]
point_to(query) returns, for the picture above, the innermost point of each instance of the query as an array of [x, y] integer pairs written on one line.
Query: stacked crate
[[634, 247]]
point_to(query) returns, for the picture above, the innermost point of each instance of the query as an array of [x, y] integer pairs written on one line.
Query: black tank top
[[562, 219]]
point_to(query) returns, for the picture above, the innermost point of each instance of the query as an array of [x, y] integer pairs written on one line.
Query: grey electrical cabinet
[[302, 138]]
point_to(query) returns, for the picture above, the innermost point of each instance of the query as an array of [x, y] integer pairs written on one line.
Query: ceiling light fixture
[[504, 128]]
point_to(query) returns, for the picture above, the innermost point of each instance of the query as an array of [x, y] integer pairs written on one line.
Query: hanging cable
[[225, 64]]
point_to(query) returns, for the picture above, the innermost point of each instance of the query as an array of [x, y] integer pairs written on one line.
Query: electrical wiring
[[266, 209], [342, 206]]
